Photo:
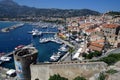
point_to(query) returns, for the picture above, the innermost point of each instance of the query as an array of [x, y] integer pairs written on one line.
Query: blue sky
[[98, 5]]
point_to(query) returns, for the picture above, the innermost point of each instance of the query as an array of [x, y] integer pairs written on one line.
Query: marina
[[20, 36]]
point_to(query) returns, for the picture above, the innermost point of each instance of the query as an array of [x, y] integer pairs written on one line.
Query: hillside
[[9, 9]]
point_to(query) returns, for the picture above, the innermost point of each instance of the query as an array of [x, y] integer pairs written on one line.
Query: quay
[[65, 42], [30, 32], [9, 54], [49, 32], [8, 29]]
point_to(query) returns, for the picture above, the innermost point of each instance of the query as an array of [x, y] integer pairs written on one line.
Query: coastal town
[[83, 39], [58, 44]]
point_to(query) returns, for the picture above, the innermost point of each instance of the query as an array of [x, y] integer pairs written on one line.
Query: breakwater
[[8, 29]]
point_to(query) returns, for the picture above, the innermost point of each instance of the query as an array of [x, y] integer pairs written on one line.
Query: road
[[112, 51]]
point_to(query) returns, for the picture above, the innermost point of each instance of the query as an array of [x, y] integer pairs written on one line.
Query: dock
[[9, 54], [65, 42], [30, 32]]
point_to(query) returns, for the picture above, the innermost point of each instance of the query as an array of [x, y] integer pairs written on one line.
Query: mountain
[[9, 8]]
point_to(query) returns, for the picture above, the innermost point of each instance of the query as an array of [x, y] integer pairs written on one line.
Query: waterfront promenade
[[66, 42]]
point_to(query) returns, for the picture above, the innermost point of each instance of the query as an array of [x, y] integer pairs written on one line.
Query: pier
[[30, 32], [8, 29], [9, 54]]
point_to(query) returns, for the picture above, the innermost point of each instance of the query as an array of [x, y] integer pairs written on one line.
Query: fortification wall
[[68, 70]]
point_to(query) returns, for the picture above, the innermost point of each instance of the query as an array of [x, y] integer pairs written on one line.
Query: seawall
[[69, 70]]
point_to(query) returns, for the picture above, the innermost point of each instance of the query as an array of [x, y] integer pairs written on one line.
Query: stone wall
[[69, 70]]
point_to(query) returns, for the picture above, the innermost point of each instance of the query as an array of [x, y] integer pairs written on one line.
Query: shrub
[[57, 77], [111, 71], [79, 78], [101, 76]]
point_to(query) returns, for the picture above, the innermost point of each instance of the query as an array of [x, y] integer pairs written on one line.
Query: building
[[111, 32], [73, 27], [23, 57]]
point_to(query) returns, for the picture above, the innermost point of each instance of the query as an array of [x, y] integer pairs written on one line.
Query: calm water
[[8, 41]]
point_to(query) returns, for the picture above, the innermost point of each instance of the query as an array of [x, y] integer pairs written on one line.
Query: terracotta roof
[[95, 48], [96, 44], [86, 24], [89, 30], [99, 41], [110, 25]]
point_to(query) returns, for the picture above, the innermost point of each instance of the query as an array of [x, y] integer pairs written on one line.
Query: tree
[[101, 76], [79, 78], [111, 71], [57, 77]]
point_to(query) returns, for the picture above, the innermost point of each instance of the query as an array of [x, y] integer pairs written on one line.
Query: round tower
[[23, 57]]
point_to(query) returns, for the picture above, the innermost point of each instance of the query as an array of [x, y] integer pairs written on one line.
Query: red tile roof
[[97, 45], [110, 25], [99, 41]]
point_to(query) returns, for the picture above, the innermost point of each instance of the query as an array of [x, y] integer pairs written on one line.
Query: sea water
[[20, 36]]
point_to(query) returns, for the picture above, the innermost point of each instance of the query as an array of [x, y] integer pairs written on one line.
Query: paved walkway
[[67, 43]]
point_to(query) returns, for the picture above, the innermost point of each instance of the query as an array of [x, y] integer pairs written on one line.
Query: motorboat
[[19, 47], [55, 56], [35, 32], [63, 48], [3, 58]]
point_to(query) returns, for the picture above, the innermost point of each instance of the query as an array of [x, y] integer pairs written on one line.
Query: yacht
[[44, 40], [35, 32], [19, 47], [3, 58], [55, 56], [63, 48]]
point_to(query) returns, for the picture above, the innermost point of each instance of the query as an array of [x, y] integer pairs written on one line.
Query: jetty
[[30, 32], [8, 29]]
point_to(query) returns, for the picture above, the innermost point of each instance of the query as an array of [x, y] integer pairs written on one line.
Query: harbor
[[20, 36]]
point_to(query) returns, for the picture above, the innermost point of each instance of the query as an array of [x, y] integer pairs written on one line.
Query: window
[[36, 79], [18, 59], [110, 36]]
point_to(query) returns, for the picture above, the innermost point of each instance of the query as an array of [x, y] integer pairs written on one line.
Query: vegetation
[[113, 13], [111, 59], [57, 77], [71, 50], [111, 71], [92, 54], [101, 76], [79, 78]]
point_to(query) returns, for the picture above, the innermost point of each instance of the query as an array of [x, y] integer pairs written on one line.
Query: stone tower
[[23, 57]]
